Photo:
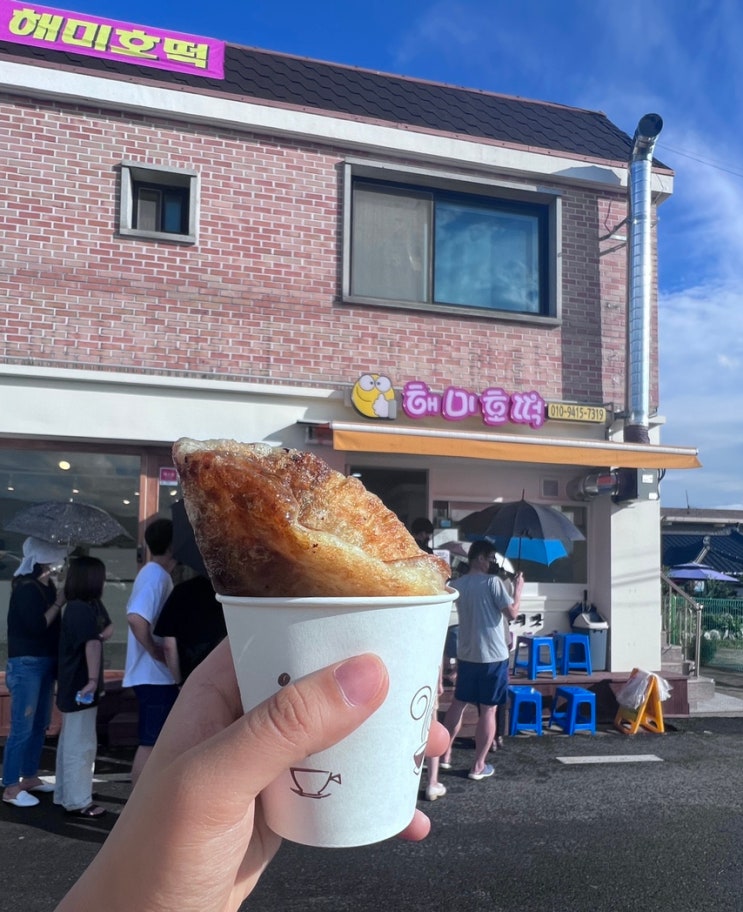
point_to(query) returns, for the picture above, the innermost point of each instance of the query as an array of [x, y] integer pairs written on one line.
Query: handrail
[[695, 606]]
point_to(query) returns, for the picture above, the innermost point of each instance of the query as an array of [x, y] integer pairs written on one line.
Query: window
[[571, 568], [431, 243], [123, 481], [159, 203]]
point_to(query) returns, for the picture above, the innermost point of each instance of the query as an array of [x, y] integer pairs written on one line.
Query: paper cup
[[363, 789]]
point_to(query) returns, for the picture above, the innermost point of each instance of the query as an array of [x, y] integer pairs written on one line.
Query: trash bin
[[597, 629]]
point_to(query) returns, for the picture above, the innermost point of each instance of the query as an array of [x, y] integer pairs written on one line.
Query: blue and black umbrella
[[528, 531]]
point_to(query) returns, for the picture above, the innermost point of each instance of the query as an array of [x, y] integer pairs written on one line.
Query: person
[[482, 652], [212, 842], [85, 627], [452, 632], [145, 669], [434, 788], [422, 530], [191, 625], [501, 712], [33, 641]]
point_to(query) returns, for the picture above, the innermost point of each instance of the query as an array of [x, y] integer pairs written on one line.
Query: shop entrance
[[405, 492], [125, 481]]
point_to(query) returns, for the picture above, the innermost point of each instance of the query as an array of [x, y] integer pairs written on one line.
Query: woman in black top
[[33, 638], [85, 626]]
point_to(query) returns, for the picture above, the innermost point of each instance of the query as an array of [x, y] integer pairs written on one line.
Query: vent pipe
[[639, 279]]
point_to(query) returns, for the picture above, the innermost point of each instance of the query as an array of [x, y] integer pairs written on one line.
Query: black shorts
[[482, 683], [155, 702]]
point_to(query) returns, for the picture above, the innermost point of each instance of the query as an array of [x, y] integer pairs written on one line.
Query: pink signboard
[[82, 33], [168, 476]]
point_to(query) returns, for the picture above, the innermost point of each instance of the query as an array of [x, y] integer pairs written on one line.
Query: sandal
[[92, 810]]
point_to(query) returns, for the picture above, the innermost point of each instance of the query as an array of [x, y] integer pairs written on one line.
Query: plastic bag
[[633, 693], [664, 688]]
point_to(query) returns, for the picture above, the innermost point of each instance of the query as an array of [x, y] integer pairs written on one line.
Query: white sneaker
[[434, 791], [22, 800]]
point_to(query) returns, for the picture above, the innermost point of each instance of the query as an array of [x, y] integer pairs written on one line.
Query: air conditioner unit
[[636, 484], [593, 485], [622, 484]]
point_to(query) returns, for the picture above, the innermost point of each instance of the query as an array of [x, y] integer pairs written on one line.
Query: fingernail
[[359, 679]]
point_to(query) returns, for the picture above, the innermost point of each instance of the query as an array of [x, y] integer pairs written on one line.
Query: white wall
[[624, 570], [130, 408]]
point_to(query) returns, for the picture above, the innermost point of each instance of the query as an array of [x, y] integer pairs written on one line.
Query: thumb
[[301, 719]]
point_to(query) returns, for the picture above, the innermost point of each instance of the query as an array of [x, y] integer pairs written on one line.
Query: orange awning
[[361, 438]]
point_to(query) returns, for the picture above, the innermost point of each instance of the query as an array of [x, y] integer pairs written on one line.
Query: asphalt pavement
[[567, 824]]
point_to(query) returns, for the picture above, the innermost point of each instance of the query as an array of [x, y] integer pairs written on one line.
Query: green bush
[[728, 624]]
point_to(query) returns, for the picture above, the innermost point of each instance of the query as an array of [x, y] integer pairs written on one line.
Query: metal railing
[[723, 615], [682, 622]]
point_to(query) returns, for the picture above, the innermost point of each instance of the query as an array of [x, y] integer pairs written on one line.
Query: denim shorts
[[155, 702]]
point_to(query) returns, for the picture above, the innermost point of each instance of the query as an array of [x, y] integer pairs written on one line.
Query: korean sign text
[[494, 405], [81, 33]]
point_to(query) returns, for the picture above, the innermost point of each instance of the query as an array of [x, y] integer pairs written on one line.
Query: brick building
[[426, 283]]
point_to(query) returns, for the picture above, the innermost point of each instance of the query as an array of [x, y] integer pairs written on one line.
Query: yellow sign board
[[569, 411]]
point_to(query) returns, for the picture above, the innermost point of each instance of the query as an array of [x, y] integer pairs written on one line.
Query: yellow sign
[[568, 411], [648, 715]]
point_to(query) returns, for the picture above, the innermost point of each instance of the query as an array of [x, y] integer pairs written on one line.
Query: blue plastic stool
[[527, 698], [574, 652], [534, 664], [569, 707]]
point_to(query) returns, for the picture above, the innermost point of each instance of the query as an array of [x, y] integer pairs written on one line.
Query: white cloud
[[702, 391]]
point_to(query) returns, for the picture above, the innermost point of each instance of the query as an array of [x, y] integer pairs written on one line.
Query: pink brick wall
[[256, 297]]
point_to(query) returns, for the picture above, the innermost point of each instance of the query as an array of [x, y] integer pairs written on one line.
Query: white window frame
[[425, 178], [136, 172]]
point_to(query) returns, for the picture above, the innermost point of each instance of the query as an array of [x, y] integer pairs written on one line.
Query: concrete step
[[700, 690], [672, 660]]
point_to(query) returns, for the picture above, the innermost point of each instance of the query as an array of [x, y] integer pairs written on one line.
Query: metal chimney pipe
[[639, 279]]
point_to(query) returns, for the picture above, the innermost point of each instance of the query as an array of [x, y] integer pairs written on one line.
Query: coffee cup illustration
[[311, 783]]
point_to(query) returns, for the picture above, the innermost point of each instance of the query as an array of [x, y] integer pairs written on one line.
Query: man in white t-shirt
[[146, 670]]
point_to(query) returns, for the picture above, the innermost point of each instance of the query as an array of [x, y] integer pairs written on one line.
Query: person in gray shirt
[[482, 652]]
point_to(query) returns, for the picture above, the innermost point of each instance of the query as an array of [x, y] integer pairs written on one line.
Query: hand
[[158, 653], [192, 836], [90, 687], [518, 582]]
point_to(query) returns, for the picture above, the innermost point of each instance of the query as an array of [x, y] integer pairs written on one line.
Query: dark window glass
[[161, 208], [438, 247]]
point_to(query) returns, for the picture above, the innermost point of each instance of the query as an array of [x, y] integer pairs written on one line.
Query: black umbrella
[[474, 525], [67, 523], [534, 532]]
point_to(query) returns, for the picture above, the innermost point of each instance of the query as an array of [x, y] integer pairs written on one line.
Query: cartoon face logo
[[374, 397]]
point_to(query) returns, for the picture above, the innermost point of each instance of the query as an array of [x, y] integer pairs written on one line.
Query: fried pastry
[[281, 523]]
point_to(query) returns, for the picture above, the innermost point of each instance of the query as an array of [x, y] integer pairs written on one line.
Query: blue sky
[[678, 58]]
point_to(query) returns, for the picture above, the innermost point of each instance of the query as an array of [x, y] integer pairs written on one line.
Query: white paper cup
[[363, 789]]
